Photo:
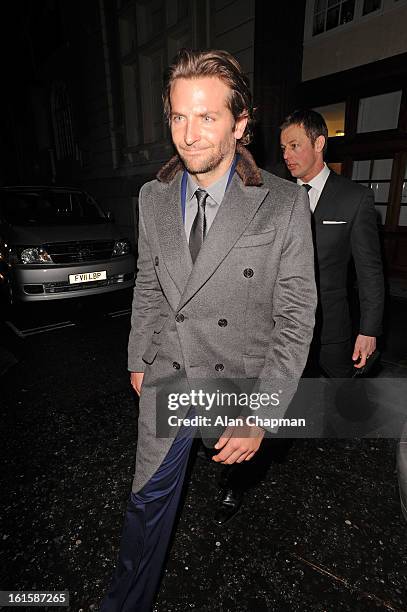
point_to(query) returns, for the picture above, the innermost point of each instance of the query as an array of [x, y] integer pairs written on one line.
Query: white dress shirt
[[317, 185]]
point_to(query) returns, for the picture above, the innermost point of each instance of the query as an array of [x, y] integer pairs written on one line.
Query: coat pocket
[[160, 323], [253, 365], [150, 354], [253, 240]]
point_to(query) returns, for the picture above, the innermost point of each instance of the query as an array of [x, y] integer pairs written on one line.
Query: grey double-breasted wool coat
[[245, 309]]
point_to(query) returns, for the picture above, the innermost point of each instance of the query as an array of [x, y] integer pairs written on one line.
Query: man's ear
[[319, 144], [240, 125]]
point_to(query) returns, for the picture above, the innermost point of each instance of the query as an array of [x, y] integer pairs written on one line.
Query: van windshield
[[50, 208]]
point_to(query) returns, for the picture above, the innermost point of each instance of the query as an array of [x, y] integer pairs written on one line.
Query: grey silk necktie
[[198, 229]]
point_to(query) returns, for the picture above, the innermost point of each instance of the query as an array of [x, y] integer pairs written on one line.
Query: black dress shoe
[[228, 506]]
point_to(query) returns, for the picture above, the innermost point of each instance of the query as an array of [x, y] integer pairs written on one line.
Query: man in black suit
[[344, 227]]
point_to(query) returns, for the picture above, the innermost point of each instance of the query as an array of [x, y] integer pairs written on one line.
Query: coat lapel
[[235, 213], [171, 233]]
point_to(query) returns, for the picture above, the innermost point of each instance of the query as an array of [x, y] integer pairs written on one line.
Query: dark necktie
[[198, 229], [308, 188]]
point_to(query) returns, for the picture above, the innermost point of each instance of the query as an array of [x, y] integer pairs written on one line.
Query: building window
[[329, 14], [152, 66], [61, 113], [379, 112], [130, 88], [151, 19], [375, 174], [369, 6], [403, 207], [334, 115], [151, 32], [325, 15]]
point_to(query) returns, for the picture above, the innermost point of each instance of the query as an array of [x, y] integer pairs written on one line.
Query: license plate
[[87, 277]]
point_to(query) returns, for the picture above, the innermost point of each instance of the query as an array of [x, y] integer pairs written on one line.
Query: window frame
[[140, 53], [354, 146], [386, 6]]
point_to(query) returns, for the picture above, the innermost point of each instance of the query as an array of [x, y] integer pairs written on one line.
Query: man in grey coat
[[225, 290]]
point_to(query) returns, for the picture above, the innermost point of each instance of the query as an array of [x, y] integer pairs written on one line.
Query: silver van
[[58, 243]]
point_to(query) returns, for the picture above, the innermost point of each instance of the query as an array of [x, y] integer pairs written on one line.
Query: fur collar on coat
[[246, 168]]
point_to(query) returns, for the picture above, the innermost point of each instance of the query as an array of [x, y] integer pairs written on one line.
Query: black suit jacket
[[356, 236]]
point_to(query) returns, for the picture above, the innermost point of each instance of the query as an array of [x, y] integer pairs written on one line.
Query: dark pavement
[[323, 531]]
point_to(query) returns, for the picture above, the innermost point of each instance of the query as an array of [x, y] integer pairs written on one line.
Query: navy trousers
[[148, 525]]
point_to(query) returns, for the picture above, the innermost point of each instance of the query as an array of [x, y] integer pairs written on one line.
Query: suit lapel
[[171, 232], [327, 205], [235, 213]]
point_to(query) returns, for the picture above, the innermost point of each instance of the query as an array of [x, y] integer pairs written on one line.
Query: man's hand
[[238, 444], [364, 347], [136, 380]]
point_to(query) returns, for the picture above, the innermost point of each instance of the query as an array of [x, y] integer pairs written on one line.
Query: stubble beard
[[205, 165]]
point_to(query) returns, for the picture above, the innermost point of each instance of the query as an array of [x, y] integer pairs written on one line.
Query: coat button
[[222, 322], [176, 365], [219, 367], [248, 272], [179, 317], [156, 260]]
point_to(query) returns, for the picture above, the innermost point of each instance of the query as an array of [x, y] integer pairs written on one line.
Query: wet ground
[[322, 532]]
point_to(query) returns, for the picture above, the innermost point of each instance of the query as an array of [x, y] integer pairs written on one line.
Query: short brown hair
[[192, 64], [313, 123]]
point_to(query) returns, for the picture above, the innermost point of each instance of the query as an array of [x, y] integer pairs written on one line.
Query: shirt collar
[[318, 182], [216, 191]]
